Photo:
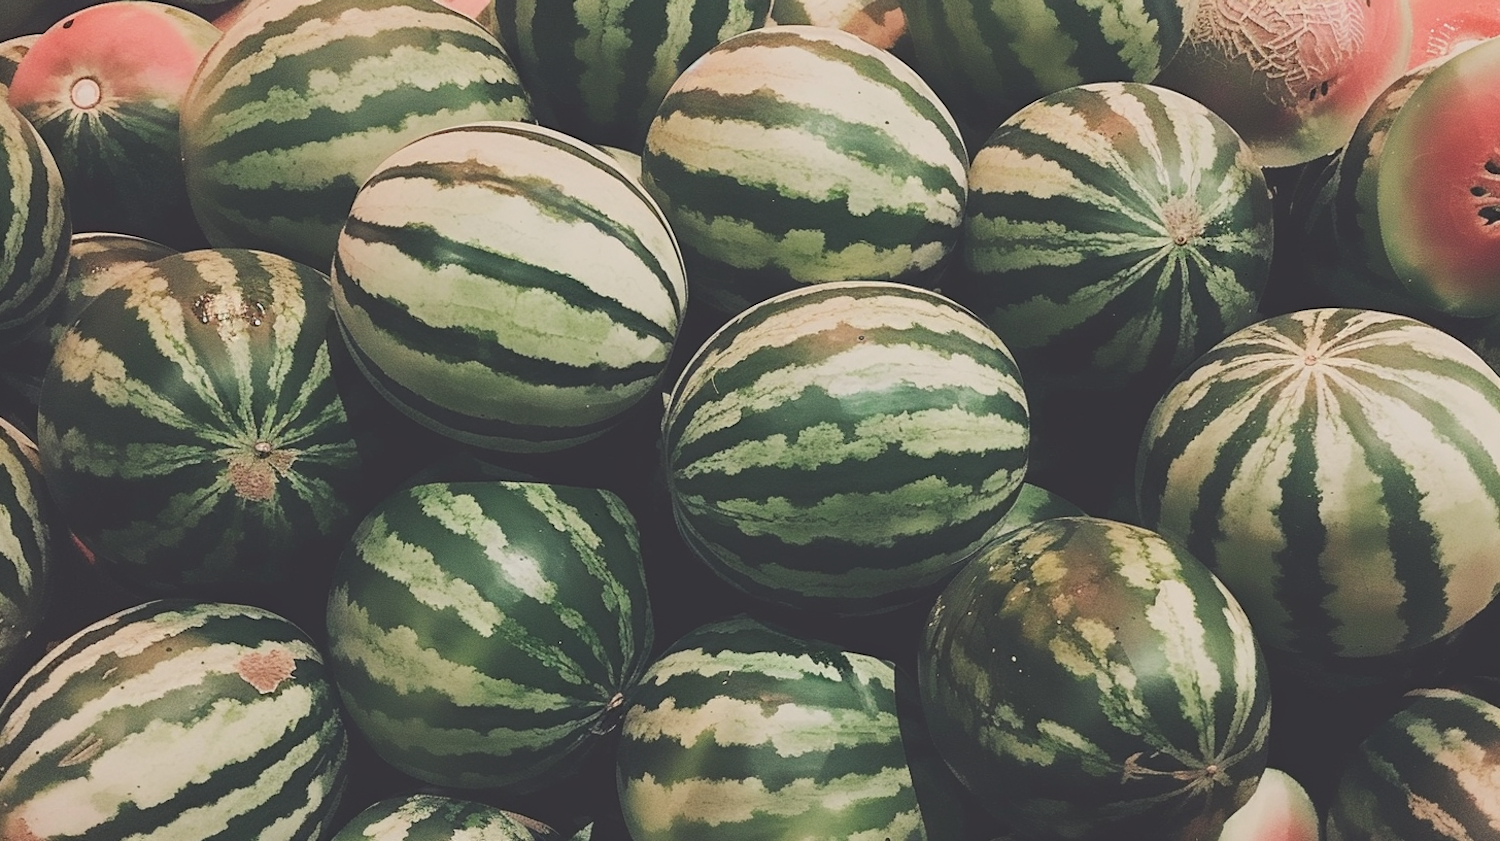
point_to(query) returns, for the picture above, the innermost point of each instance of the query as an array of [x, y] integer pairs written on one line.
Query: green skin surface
[[229, 454], [522, 591], [1068, 703]]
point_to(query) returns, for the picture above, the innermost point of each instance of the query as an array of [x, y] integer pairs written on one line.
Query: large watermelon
[[508, 286], [1089, 679], [486, 634], [1339, 469], [174, 719], [1114, 232], [794, 155], [190, 428], [300, 100], [842, 447]]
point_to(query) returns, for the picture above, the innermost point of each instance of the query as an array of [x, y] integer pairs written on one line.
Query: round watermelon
[[1339, 469], [508, 286], [486, 635], [1090, 679], [191, 430], [842, 447]]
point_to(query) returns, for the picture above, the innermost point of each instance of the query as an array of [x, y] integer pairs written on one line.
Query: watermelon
[[190, 428], [1426, 772], [1089, 679], [744, 730], [881, 22], [174, 719], [599, 71], [12, 50], [103, 88], [486, 634], [300, 100], [795, 155], [1431, 204], [1114, 232], [35, 226], [508, 286], [1442, 27], [842, 447], [1339, 469], [95, 261], [26, 541], [436, 817], [1292, 76], [988, 58]]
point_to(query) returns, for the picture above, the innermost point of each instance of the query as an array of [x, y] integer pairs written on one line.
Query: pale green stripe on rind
[[35, 225]]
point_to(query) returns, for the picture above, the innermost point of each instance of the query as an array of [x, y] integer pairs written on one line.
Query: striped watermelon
[[26, 525], [485, 634], [300, 100], [794, 155], [12, 50], [988, 58], [435, 817], [841, 447], [508, 286], [35, 225], [598, 71], [1088, 679], [1339, 469], [103, 88], [95, 260], [744, 731], [174, 719], [1115, 231], [190, 428], [1428, 772]]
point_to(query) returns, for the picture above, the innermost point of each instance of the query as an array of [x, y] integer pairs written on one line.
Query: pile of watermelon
[[962, 420]]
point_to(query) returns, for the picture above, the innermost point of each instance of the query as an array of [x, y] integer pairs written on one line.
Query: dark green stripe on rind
[[35, 225], [1114, 232], [774, 186], [988, 58], [154, 406], [480, 633]]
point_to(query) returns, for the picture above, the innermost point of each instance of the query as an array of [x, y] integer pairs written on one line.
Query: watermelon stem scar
[[86, 94]]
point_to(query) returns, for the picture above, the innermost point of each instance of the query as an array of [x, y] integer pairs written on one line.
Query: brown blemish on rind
[[253, 474], [265, 670], [16, 829]]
